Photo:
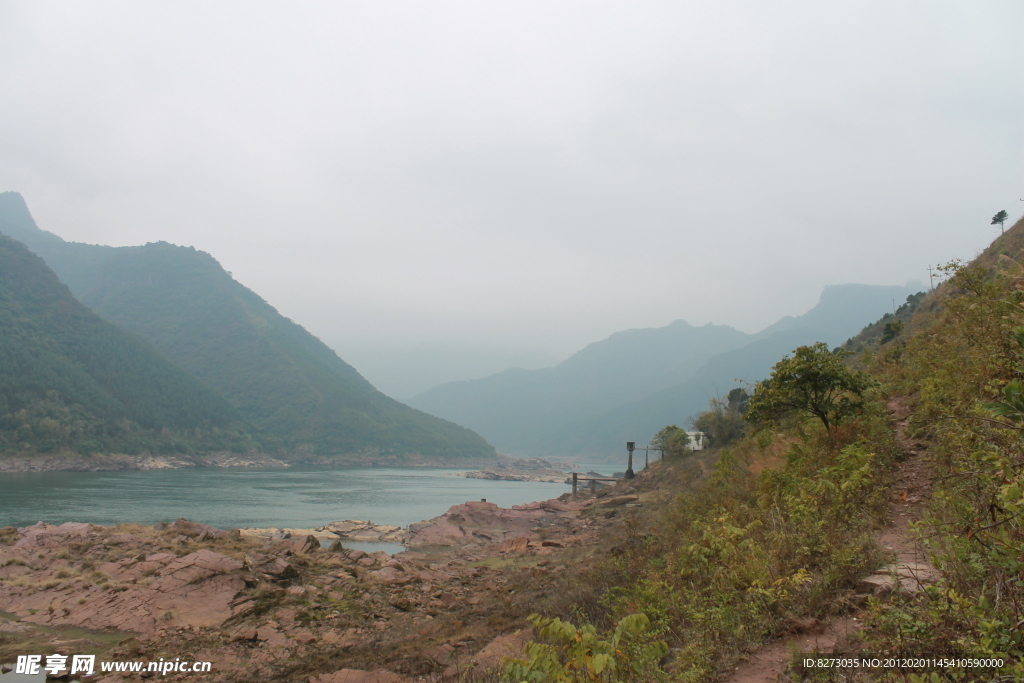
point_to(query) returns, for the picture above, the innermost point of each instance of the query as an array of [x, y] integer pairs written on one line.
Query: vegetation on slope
[[786, 526], [71, 382]]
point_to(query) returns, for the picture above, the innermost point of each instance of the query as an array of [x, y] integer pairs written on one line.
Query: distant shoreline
[[146, 461]]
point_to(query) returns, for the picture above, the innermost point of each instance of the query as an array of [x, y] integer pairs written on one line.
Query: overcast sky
[[444, 189]]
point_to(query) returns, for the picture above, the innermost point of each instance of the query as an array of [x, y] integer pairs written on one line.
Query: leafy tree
[[814, 381], [738, 399], [672, 440], [1000, 218], [723, 422], [892, 330]]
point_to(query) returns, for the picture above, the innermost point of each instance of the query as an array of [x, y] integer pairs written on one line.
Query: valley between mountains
[[870, 482]]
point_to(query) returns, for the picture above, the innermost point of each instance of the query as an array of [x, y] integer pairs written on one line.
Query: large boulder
[[484, 523]]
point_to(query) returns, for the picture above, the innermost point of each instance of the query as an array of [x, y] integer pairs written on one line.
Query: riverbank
[[119, 462], [289, 609], [124, 463], [523, 469]]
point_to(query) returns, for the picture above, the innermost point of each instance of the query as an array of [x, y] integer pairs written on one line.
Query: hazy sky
[[444, 189]]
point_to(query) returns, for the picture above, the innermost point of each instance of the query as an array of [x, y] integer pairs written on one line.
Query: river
[[301, 497]]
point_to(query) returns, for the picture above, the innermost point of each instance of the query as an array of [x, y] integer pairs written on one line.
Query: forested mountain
[[71, 382], [572, 409], [298, 396]]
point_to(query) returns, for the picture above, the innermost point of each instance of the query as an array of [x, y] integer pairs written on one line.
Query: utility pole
[[931, 285], [893, 306]]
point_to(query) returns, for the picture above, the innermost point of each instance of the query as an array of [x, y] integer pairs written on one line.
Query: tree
[[722, 422], [891, 331], [815, 381], [672, 441], [1000, 218]]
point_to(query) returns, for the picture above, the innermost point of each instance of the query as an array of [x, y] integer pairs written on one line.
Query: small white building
[[697, 440]]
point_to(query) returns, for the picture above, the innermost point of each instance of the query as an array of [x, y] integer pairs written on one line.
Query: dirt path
[[908, 572], [911, 486]]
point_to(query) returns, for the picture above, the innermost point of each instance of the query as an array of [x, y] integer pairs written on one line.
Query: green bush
[[581, 655]]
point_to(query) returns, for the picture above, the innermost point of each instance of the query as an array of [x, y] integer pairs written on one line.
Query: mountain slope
[[70, 381], [632, 384], [842, 311], [518, 409], [299, 397]]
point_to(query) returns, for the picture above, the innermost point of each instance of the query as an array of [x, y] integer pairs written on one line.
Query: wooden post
[[574, 475], [647, 452], [593, 487], [629, 466]]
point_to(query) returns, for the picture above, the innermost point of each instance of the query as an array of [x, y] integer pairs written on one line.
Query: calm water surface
[[252, 497]]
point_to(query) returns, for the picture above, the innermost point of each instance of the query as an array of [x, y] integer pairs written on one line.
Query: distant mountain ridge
[[297, 395], [628, 386], [517, 408]]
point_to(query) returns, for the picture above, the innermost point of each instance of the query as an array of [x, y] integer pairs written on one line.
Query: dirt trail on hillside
[[909, 571], [911, 486]]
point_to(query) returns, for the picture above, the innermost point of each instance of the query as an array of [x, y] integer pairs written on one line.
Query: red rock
[[162, 558], [244, 633], [404, 604], [440, 654], [194, 591], [386, 574], [478, 522], [265, 632], [43, 537], [304, 636], [273, 568], [304, 545], [510, 645], [192, 529]]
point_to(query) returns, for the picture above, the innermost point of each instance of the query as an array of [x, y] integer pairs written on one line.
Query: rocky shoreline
[[348, 529], [147, 461], [534, 469], [123, 463], [280, 604], [513, 469]]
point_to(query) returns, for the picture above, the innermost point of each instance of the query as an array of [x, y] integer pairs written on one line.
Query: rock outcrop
[[140, 594], [486, 523], [351, 529], [360, 530]]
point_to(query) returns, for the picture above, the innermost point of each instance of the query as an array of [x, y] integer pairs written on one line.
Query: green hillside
[[878, 497], [71, 382], [299, 397]]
